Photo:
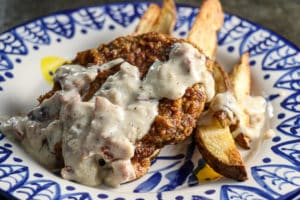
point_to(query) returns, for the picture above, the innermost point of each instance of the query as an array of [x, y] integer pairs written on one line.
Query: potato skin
[[218, 149]]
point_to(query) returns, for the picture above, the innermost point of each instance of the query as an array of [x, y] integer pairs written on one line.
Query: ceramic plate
[[29, 52]]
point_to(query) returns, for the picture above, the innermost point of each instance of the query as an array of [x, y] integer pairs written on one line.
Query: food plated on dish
[[114, 107], [98, 103]]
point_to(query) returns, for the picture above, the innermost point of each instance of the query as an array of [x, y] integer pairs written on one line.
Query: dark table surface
[[280, 16]]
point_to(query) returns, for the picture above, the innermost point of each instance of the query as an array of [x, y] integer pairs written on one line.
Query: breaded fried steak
[[116, 106]]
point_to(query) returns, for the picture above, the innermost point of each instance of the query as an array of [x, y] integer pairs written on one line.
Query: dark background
[[281, 16]]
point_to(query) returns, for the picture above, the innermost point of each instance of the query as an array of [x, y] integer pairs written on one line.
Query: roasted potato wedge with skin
[[167, 19], [222, 81], [158, 19], [148, 20], [218, 149], [222, 84], [240, 78], [205, 28], [243, 141]]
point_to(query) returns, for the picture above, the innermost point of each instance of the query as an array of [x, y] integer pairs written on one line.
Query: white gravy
[[254, 106], [98, 136]]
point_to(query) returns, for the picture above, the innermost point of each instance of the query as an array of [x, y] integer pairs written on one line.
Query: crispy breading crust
[[176, 119]]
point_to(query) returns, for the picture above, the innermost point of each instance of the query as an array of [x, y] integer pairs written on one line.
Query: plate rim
[[68, 11]]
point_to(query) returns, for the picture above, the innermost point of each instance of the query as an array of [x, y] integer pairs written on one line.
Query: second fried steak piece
[[176, 119]]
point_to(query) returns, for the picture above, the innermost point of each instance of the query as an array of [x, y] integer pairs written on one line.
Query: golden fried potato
[[240, 78], [222, 81], [158, 19], [148, 20], [222, 84], [167, 19], [206, 26], [243, 141], [218, 149]]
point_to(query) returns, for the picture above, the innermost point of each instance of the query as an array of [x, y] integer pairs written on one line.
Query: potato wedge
[[240, 78], [243, 140], [167, 19], [222, 84], [207, 23], [218, 149], [222, 81], [158, 19], [148, 20], [214, 138]]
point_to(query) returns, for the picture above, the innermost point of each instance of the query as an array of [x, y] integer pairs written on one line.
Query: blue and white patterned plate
[[274, 170]]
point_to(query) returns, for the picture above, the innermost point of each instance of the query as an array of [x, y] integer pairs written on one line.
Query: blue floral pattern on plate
[[274, 174]]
